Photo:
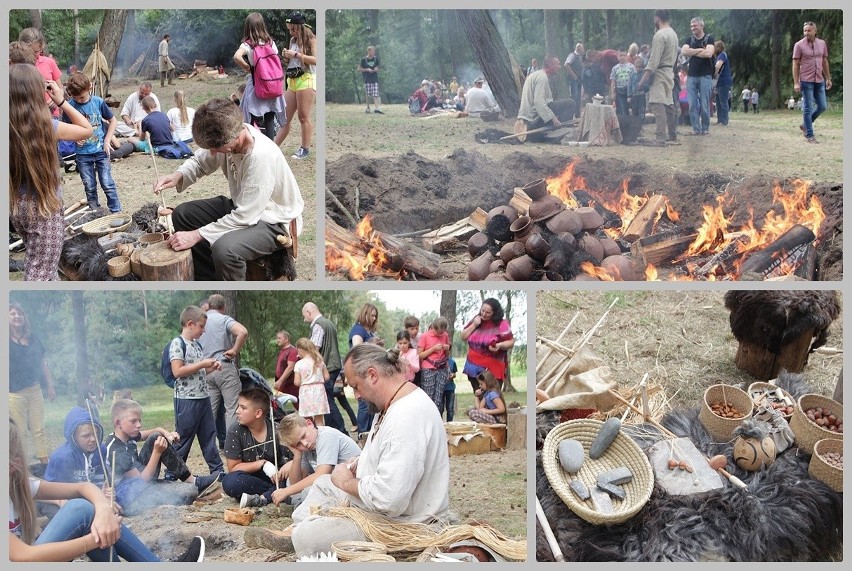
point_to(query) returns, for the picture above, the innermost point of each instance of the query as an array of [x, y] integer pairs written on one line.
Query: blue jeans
[[813, 104], [333, 419], [449, 403], [74, 520], [365, 417], [88, 165], [194, 417], [235, 484], [575, 86], [698, 93], [723, 97]]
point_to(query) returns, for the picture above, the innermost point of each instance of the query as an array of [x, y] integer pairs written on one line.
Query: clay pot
[[505, 210], [536, 190], [582, 277], [568, 241], [551, 276], [537, 247], [592, 246], [512, 250], [623, 268], [497, 266], [565, 221], [522, 228], [477, 244], [498, 228], [520, 268], [480, 267], [591, 218], [496, 277], [610, 247], [548, 207]]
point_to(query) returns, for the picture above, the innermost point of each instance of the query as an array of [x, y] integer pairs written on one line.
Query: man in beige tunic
[[538, 109], [167, 68], [659, 72]]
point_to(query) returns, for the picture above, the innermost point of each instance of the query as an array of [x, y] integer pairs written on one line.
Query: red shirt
[[287, 355], [810, 56]]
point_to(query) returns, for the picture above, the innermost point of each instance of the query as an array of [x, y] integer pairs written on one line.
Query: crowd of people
[[308, 458], [242, 141]]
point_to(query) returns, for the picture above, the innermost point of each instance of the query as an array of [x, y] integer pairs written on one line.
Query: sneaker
[[208, 484], [252, 501], [194, 553], [379, 111], [812, 140], [301, 153], [368, 110]]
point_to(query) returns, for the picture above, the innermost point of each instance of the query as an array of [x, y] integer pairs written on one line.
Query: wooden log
[[520, 201], [413, 258], [516, 431], [663, 246], [479, 219], [724, 260], [763, 364], [789, 250], [808, 269], [643, 223], [160, 263], [450, 235]]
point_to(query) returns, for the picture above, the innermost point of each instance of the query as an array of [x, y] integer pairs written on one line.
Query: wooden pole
[[549, 351], [548, 532]]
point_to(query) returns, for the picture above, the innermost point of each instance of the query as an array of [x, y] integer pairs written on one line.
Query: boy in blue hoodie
[[78, 460]]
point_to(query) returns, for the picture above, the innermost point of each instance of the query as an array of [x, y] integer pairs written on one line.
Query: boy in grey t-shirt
[[316, 451]]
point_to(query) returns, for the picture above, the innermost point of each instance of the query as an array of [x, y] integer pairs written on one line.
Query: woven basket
[[761, 385], [820, 470], [102, 226], [119, 266], [806, 432], [722, 429], [622, 452], [241, 516], [152, 238]]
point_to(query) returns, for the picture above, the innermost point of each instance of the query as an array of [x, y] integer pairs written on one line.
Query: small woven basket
[[152, 238], [103, 225], [820, 470], [119, 266], [719, 428], [622, 452], [769, 386], [808, 433], [240, 516], [361, 551]]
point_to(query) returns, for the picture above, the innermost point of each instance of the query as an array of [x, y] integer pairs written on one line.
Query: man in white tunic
[[538, 109], [226, 231], [166, 67], [403, 472]]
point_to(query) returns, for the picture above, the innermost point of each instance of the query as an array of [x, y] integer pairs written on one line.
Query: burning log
[[663, 246], [447, 237], [789, 251], [380, 252], [643, 223], [723, 260]]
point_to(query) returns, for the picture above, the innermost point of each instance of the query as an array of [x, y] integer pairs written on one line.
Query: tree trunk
[[145, 307], [109, 37], [373, 23], [35, 18], [78, 305], [455, 41], [448, 309], [493, 57], [609, 17], [76, 37], [585, 17], [507, 384], [552, 39], [775, 49]]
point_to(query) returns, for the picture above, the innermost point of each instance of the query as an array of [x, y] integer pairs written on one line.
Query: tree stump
[[763, 364], [160, 263], [516, 431]]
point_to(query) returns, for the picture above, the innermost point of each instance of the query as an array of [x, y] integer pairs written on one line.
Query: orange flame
[[375, 261], [600, 273], [651, 273], [564, 184]]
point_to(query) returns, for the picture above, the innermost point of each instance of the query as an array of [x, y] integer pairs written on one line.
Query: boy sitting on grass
[[316, 451], [250, 451], [136, 484]]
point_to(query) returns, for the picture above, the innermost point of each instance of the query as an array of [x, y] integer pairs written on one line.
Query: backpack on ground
[[166, 363], [413, 105], [175, 150], [267, 73]]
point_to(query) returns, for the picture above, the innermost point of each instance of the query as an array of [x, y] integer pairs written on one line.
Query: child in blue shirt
[[450, 390], [92, 153]]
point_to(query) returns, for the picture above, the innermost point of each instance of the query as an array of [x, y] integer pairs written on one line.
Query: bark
[[456, 43], [109, 36], [585, 18], [507, 384], [493, 57], [78, 305], [35, 18], [373, 24], [76, 37], [448, 310], [775, 50]]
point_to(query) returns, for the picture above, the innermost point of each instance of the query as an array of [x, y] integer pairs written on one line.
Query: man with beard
[[811, 77], [659, 73], [537, 105], [403, 472]]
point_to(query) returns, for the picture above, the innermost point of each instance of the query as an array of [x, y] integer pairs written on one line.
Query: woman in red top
[[489, 339], [46, 65]]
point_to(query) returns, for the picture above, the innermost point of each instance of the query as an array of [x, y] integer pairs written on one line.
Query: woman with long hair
[[180, 118], [301, 93], [262, 113], [364, 331], [489, 339], [28, 373], [310, 374], [85, 525], [35, 191]]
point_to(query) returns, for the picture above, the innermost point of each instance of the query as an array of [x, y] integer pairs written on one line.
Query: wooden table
[[599, 125]]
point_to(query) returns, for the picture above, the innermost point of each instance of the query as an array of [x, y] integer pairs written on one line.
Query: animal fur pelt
[[84, 255], [494, 136], [277, 265], [785, 516], [773, 318], [146, 218]]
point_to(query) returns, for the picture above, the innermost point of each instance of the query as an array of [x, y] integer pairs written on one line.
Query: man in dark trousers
[[324, 336]]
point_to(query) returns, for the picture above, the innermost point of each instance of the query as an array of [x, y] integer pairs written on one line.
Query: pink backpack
[[267, 74]]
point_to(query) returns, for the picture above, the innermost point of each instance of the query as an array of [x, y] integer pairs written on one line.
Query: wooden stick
[[548, 532], [731, 478], [112, 502], [555, 346], [529, 132], [95, 432], [643, 389], [342, 208], [549, 351], [274, 452]]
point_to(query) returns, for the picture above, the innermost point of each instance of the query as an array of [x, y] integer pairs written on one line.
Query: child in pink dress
[[409, 353], [310, 375]]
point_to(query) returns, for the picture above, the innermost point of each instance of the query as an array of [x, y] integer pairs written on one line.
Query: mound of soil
[[408, 192]]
